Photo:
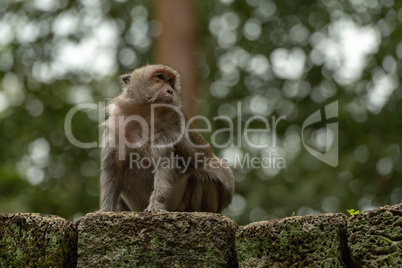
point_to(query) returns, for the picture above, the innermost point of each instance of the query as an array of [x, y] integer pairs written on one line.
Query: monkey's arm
[[192, 144], [164, 181], [110, 180]]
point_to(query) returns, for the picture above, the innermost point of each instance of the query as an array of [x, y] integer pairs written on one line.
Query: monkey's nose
[[170, 92]]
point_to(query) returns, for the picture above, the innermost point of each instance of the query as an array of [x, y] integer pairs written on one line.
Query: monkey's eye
[[161, 76]]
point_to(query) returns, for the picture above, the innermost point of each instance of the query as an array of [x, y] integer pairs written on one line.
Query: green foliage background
[[41, 171]]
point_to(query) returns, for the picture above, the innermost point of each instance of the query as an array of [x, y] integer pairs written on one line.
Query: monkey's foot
[[155, 208]]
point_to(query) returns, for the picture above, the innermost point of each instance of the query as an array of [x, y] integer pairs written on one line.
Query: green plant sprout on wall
[[353, 212]]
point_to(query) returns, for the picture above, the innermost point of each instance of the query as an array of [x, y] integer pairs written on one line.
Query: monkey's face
[[162, 86], [153, 84]]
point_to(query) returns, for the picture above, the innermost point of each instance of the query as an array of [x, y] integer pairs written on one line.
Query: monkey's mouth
[[168, 99], [161, 99]]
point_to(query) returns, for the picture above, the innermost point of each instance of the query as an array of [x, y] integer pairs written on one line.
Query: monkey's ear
[[125, 79]]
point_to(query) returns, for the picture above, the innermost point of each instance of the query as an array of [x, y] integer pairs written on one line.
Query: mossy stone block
[[37, 240], [172, 239], [375, 237], [308, 241]]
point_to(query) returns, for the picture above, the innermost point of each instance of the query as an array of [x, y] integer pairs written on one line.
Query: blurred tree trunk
[[176, 45]]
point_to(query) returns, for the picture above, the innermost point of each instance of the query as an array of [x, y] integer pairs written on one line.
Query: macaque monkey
[[152, 158]]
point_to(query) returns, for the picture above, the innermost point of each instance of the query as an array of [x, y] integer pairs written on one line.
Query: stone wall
[[125, 239]]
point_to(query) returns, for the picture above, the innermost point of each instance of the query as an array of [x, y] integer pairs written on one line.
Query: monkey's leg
[[110, 181], [202, 193], [223, 179], [211, 189]]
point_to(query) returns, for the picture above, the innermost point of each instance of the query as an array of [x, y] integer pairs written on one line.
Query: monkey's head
[[153, 84]]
